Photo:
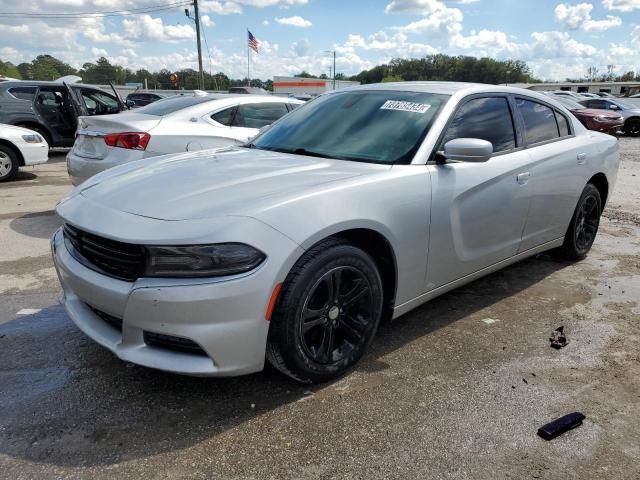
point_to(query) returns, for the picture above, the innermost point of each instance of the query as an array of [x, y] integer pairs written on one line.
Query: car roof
[[459, 89]]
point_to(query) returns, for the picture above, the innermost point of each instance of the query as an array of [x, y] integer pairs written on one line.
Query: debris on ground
[[558, 339], [561, 425]]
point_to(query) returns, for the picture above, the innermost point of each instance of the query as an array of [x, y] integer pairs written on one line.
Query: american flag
[[253, 42]]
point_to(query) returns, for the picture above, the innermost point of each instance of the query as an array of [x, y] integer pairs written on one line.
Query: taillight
[[129, 140]]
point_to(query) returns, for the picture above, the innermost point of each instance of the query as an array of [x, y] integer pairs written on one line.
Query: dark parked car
[[248, 90], [52, 108], [141, 99]]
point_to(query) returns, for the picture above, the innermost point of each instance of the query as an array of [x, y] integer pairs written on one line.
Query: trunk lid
[[91, 131]]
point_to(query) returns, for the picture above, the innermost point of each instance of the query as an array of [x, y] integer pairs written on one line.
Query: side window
[[487, 119], [51, 97], [292, 106], [225, 117], [258, 115], [563, 125], [23, 93], [601, 104], [99, 103], [539, 121]]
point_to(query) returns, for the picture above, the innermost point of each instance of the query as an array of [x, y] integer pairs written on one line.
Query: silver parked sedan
[[361, 204]]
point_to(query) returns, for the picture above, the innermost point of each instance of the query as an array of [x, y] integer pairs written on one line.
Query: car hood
[[205, 184]]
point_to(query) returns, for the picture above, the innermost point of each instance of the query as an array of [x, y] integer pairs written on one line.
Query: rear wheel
[[326, 314], [632, 127], [584, 225], [9, 163]]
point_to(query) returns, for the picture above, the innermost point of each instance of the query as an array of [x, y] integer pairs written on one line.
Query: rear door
[[478, 209], [558, 168]]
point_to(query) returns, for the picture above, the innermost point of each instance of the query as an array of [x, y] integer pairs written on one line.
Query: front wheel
[[8, 163], [327, 312], [632, 128], [584, 225]]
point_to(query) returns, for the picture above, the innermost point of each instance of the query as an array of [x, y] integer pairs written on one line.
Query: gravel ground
[[454, 389]]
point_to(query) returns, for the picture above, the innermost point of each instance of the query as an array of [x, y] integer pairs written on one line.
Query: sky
[[556, 39]]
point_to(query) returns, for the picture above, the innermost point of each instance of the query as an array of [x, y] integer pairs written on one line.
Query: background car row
[[172, 125]]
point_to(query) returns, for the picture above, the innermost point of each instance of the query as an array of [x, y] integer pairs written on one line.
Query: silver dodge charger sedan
[[362, 204]]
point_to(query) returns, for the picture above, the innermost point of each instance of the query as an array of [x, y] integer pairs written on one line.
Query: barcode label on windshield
[[405, 106]]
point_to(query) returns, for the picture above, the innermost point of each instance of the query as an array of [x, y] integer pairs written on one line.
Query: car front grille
[[120, 260]]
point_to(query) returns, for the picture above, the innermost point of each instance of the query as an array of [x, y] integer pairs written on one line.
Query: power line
[[114, 13]]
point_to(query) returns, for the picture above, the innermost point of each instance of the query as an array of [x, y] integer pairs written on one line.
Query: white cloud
[[578, 17], [227, 7], [99, 52], [447, 20], [265, 22], [295, 21], [219, 8], [206, 21], [145, 27], [560, 45], [622, 5], [635, 35], [423, 7]]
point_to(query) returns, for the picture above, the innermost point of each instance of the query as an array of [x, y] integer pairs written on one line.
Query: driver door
[[479, 210]]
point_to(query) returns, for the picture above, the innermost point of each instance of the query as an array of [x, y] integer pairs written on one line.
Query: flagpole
[[248, 61]]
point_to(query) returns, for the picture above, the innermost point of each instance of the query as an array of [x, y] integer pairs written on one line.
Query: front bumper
[[225, 317], [34, 153]]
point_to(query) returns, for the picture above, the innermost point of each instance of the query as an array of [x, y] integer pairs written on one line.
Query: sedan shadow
[[66, 401]]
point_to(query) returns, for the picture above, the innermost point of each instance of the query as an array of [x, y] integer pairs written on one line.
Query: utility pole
[[334, 69], [197, 19]]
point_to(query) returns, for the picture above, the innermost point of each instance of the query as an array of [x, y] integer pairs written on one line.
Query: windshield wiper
[[303, 151]]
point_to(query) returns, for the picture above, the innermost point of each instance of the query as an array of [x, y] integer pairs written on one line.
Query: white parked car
[[20, 147], [172, 125]]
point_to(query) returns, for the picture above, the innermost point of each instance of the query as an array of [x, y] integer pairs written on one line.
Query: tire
[[318, 332], [632, 127], [9, 163], [584, 225]]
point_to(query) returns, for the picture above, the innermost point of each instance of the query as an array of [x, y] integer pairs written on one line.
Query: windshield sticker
[[405, 106]]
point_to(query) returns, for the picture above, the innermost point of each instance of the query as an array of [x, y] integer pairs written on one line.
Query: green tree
[[8, 69]]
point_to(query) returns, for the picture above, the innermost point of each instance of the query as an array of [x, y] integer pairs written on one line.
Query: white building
[[298, 86]]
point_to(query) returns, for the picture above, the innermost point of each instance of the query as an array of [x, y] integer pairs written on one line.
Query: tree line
[[438, 67]]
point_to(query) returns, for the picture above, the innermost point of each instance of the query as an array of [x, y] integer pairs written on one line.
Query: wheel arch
[[15, 150], [599, 180], [30, 124], [381, 251]]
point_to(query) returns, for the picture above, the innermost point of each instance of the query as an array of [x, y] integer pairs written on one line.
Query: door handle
[[582, 158], [523, 178]]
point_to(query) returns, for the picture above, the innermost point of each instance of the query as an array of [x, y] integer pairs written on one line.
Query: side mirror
[[130, 103], [468, 150], [614, 107]]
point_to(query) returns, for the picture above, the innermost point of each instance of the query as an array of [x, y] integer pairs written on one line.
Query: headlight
[[202, 260], [33, 138]]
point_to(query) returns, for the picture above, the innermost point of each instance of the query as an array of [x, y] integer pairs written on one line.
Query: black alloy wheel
[[336, 314], [327, 312], [584, 225]]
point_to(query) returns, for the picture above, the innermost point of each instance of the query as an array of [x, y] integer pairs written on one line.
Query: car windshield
[[367, 126], [173, 104], [569, 103]]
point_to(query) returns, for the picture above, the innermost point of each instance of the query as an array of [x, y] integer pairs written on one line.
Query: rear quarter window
[[23, 93], [539, 121]]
